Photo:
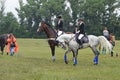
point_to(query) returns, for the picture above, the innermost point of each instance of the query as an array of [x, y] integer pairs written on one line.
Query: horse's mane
[[49, 26]]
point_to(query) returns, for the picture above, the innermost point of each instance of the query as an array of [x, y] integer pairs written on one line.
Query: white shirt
[[105, 32]]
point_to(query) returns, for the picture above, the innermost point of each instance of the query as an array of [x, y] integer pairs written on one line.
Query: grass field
[[33, 62]]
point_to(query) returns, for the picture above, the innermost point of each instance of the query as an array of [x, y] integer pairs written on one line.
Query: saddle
[[84, 39]]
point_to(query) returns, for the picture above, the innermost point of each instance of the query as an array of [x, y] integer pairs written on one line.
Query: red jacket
[[10, 40]]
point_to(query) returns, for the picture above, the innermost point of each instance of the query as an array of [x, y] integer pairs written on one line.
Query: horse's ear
[[42, 22]]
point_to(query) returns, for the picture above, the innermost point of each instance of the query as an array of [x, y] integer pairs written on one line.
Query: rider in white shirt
[[106, 33]]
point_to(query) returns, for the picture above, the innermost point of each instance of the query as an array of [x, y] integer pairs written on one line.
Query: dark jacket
[[59, 26], [81, 27]]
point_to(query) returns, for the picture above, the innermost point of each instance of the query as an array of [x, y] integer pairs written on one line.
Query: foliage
[[100, 14], [9, 24], [96, 14]]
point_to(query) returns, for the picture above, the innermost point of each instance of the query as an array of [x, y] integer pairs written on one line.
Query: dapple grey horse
[[93, 42]]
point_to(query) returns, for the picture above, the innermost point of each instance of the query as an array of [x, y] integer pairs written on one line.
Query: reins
[[71, 39]]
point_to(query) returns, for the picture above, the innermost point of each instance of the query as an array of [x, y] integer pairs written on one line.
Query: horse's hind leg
[[111, 53], [96, 52], [75, 53]]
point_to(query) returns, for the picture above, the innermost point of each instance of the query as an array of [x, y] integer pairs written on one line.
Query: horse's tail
[[104, 43]]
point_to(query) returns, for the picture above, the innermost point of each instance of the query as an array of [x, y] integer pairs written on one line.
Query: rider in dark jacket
[[81, 27], [80, 30], [59, 25]]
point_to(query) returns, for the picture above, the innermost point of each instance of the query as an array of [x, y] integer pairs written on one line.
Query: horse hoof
[[116, 54], [95, 63], [66, 62], [53, 60]]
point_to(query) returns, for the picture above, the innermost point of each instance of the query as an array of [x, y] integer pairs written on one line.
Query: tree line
[[96, 14]]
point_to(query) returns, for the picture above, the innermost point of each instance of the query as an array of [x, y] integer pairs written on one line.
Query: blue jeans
[[12, 51]]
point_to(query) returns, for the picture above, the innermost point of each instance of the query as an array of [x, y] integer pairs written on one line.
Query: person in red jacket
[[12, 46]]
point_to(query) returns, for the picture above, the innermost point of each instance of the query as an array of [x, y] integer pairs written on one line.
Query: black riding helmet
[[59, 16]]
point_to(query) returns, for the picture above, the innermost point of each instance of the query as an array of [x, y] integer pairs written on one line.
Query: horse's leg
[[112, 53], [65, 58], [53, 52], [52, 47], [75, 53], [103, 51], [65, 55], [99, 48], [96, 52], [2, 49]]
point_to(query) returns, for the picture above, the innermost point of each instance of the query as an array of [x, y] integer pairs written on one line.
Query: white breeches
[[80, 36], [59, 33]]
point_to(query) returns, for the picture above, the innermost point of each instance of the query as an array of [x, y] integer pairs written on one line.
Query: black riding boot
[[80, 43]]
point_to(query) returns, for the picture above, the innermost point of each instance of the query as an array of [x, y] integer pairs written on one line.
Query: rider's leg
[[80, 36], [79, 39]]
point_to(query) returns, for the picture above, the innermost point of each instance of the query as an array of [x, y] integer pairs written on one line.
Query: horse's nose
[[57, 41]]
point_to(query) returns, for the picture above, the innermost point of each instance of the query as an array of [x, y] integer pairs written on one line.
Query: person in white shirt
[[106, 33]]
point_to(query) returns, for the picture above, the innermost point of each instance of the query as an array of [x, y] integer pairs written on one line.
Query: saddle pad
[[85, 39]]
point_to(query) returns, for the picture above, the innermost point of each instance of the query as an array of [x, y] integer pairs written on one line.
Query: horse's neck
[[50, 33], [68, 37], [59, 33]]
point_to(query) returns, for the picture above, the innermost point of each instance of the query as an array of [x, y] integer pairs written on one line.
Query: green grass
[[33, 62]]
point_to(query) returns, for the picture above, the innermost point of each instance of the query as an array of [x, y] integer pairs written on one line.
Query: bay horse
[[93, 42], [3, 42], [51, 35]]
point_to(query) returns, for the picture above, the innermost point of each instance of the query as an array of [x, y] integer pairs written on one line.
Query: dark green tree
[[9, 24], [2, 7], [96, 14]]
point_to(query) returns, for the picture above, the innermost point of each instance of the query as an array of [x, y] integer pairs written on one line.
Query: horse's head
[[61, 42], [44, 26], [41, 26]]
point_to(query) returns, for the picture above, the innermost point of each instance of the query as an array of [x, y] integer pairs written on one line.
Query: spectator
[[112, 39], [106, 33], [12, 46]]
